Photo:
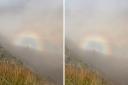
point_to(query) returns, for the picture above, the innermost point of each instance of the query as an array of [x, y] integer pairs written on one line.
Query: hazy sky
[[103, 18], [40, 18], [35, 24], [99, 25]]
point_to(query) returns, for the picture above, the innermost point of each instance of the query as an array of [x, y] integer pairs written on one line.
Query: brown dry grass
[[82, 76], [12, 74]]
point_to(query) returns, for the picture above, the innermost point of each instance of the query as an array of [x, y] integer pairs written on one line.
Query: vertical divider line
[[63, 42]]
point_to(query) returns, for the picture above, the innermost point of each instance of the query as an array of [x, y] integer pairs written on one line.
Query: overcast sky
[[36, 24], [104, 24], [105, 18], [42, 17]]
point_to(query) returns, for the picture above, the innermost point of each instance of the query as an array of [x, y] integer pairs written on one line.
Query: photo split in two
[[63, 42]]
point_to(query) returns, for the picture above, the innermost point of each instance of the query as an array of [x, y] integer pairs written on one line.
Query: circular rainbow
[[28, 40], [96, 43]]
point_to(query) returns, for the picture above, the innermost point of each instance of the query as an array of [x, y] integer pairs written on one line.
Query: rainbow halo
[[28, 40], [96, 43]]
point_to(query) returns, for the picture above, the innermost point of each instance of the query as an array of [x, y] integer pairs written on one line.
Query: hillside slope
[[78, 73], [13, 72]]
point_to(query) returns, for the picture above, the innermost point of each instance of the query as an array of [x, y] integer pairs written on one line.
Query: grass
[[82, 76], [11, 74]]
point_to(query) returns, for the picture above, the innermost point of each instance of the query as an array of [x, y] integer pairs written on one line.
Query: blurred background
[[96, 30], [32, 31]]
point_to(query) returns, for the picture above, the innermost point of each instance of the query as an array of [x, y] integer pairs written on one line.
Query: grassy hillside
[[13, 72], [82, 76], [78, 73]]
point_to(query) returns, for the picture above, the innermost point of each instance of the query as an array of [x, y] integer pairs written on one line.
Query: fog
[[112, 69], [41, 20], [107, 19]]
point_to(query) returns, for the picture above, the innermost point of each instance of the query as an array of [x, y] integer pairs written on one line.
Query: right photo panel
[[96, 43]]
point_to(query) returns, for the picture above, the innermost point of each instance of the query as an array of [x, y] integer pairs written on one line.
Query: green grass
[[82, 76]]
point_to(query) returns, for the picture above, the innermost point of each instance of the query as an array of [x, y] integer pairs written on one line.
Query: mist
[[111, 68], [107, 19], [39, 18]]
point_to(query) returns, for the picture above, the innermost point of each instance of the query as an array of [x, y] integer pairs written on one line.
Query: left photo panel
[[31, 42]]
